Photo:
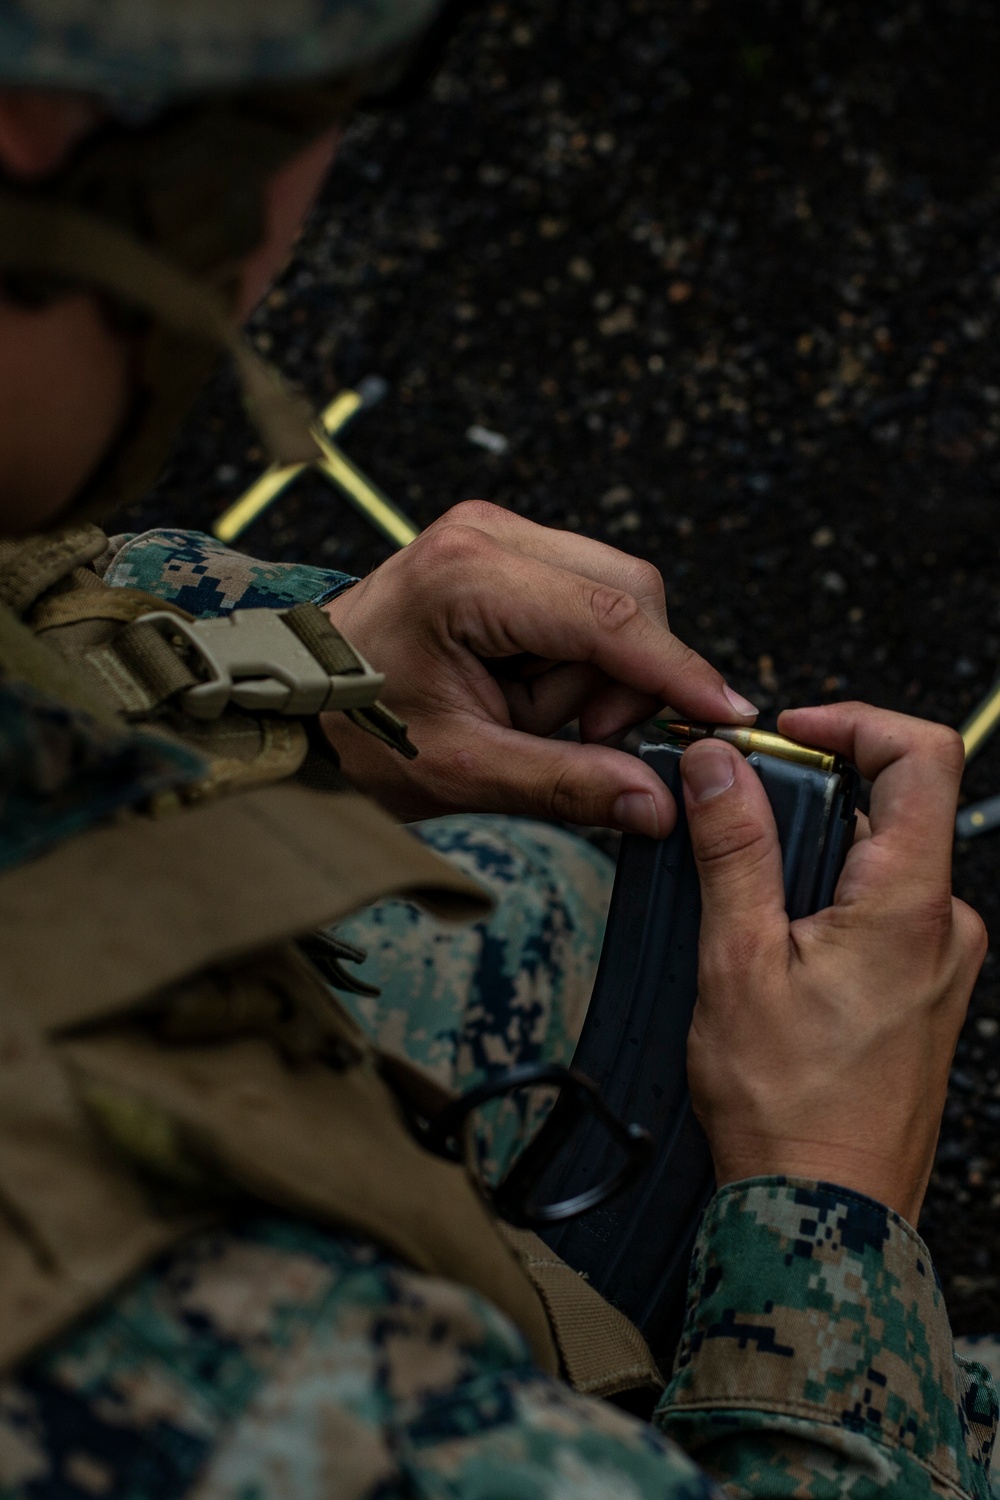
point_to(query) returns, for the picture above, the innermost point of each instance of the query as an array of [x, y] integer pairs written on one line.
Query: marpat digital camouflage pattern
[[199, 574], [150, 49], [275, 1361], [61, 771]]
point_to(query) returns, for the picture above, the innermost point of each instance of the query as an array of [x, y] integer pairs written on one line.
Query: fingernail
[[742, 705], [635, 812], [708, 772]]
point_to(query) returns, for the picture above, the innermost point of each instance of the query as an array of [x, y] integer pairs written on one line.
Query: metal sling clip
[[513, 1198]]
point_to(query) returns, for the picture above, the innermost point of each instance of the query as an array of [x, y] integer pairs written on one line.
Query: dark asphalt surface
[[725, 280]]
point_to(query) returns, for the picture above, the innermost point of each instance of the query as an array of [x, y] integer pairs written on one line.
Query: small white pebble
[[493, 442]]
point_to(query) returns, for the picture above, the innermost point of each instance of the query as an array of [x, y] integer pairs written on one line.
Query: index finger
[[506, 603], [915, 766]]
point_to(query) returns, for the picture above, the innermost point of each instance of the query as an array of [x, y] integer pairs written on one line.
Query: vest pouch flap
[[121, 911]]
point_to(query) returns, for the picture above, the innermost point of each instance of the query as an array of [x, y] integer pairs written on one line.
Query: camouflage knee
[[468, 1002]]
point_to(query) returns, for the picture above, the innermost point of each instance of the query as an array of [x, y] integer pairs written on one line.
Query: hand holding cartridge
[[493, 633], [821, 1047]]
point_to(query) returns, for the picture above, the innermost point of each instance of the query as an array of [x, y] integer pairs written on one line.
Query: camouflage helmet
[[156, 49]]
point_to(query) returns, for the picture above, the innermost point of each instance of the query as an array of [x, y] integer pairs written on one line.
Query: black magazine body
[[636, 1248]]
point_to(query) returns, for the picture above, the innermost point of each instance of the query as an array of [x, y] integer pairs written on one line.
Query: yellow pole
[[981, 723], [367, 497], [244, 511], [340, 411]]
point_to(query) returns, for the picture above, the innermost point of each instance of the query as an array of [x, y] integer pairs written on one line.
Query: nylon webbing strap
[[385, 726], [27, 659], [315, 630], [57, 240], [320, 637], [246, 658], [602, 1353], [139, 669], [99, 603]]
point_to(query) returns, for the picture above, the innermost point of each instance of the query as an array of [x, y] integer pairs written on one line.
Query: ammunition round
[[749, 740]]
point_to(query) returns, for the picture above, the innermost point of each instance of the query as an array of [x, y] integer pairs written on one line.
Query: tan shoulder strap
[[29, 566], [27, 659], [96, 600]]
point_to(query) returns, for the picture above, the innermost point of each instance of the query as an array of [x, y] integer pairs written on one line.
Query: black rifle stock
[[636, 1248]]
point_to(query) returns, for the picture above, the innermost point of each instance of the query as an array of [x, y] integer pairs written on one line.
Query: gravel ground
[[724, 280]]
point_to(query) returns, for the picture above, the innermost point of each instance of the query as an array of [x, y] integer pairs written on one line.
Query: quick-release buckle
[[254, 659]]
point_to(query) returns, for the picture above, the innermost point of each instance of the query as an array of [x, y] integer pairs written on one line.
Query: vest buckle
[[265, 660]]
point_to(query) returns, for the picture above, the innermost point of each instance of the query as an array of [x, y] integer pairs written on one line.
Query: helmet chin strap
[[154, 219], [57, 240]]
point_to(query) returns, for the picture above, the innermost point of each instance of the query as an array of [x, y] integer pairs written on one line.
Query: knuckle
[[552, 794], [929, 921], [946, 745], [687, 658], [477, 513], [611, 608], [453, 547], [649, 581], [971, 933], [933, 912]]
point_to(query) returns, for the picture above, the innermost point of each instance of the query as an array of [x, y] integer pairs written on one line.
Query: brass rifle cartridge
[[749, 740]]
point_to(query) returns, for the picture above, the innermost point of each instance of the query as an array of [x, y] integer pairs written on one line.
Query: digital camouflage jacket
[[272, 1360]]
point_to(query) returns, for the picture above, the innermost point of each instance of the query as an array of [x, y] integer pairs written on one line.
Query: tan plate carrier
[[165, 1048]]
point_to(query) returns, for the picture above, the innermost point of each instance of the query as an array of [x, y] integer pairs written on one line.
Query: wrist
[[896, 1180], [335, 602], [339, 585]]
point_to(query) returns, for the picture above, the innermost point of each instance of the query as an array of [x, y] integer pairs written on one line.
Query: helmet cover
[[156, 49]]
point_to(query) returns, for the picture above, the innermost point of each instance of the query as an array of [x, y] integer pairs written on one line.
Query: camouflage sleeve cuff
[[817, 1356], [201, 575]]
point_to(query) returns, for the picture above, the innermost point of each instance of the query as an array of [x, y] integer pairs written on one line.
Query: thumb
[[736, 849]]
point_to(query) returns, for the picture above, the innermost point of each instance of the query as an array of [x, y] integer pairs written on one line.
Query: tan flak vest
[[165, 1047]]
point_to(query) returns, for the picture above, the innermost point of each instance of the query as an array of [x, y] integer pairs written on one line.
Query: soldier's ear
[[39, 128]]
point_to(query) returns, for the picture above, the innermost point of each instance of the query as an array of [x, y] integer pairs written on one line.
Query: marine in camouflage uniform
[[273, 1358]]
